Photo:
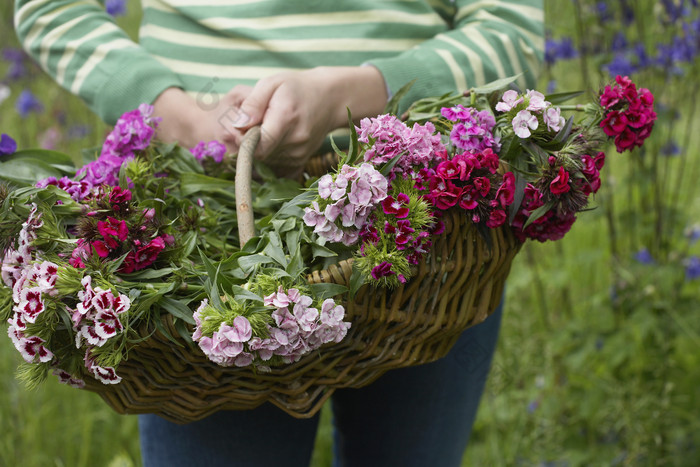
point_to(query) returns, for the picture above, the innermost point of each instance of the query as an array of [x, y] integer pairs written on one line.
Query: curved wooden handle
[[244, 196]]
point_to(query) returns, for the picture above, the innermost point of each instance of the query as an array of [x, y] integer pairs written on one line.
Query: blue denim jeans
[[417, 416]]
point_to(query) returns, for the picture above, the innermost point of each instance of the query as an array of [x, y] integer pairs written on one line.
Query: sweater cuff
[[139, 81]]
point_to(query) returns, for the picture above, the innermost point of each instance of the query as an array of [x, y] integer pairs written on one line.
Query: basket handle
[[244, 173]]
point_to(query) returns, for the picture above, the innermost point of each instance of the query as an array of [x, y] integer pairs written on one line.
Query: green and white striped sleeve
[[80, 46], [491, 39]]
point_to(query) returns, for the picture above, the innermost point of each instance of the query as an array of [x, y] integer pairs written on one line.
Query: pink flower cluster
[[530, 110], [630, 113], [212, 150], [473, 129], [469, 180], [553, 225], [345, 202], [132, 133], [298, 329], [389, 137]]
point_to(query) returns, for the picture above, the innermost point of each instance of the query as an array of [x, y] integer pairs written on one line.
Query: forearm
[[78, 44]]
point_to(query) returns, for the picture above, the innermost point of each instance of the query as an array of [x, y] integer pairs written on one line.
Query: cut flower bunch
[[147, 230]]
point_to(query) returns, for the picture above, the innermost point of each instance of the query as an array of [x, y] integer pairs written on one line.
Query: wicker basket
[[458, 285]]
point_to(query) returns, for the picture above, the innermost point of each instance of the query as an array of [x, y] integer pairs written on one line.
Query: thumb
[[253, 107]]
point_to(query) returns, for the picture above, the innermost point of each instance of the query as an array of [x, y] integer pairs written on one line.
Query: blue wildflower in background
[[16, 58], [692, 233], [670, 149], [643, 256], [27, 103], [559, 50], [603, 12], [116, 7], [7, 145], [692, 268], [620, 65]]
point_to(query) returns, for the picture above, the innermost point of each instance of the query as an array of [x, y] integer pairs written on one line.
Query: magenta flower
[[212, 149], [382, 270], [113, 231]]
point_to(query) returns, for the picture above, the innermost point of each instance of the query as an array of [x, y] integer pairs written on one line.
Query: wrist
[[361, 89]]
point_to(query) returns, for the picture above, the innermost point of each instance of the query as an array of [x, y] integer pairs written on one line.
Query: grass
[[597, 362]]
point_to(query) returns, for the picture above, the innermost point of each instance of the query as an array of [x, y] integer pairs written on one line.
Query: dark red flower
[[560, 184]]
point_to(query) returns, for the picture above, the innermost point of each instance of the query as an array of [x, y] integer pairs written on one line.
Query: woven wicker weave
[[457, 286]]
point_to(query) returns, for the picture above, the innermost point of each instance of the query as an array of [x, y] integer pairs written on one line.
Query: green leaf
[[537, 213], [386, 168], [561, 137], [324, 290], [183, 331], [191, 183], [147, 274], [496, 85], [45, 155], [28, 170], [244, 294], [392, 107], [354, 143], [322, 251], [249, 262], [177, 309], [518, 196], [561, 97], [357, 280], [274, 249], [296, 265]]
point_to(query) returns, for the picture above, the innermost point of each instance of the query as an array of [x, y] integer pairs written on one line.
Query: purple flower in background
[[670, 149], [692, 268], [619, 42], [27, 103], [620, 65], [16, 57], [213, 149], [603, 12], [115, 7], [627, 12], [643, 256], [7, 145], [77, 132]]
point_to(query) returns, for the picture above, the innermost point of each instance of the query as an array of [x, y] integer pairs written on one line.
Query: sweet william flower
[[510, 100], [523, 122], [397, 207], [382, 270], [560, 183]]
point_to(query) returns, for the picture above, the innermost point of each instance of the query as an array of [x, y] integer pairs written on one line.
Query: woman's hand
[[296, 110], [188, 121]]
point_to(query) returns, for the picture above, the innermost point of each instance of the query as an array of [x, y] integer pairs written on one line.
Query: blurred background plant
[[599, 357]]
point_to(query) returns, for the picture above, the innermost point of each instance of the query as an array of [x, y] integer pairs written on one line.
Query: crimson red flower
[[630, 115], [560, 184], [113, 231], [143, 257]]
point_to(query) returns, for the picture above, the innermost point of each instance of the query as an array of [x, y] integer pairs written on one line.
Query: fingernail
[[241, 120]]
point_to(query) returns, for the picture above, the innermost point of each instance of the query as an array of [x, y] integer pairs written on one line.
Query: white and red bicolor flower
[[107, 324], [31, 304], [89, 333], [66, 378], [106, 375], [32, 349]]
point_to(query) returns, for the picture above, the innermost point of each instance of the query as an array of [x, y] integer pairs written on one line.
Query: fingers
[[253, 107]]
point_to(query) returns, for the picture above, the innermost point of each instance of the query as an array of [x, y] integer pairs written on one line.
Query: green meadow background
[[599, 356]]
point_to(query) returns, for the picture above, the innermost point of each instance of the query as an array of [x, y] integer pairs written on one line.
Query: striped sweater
[[208, 46]]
